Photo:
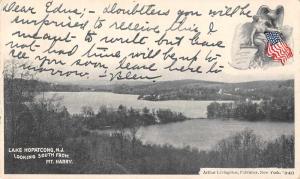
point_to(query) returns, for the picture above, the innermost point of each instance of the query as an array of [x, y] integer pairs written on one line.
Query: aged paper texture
[[108, 88]]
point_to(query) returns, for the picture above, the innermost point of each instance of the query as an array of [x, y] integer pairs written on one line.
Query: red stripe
[[279, 52]]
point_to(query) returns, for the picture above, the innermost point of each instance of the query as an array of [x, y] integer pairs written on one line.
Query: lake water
[[75, 100], [202, 134]]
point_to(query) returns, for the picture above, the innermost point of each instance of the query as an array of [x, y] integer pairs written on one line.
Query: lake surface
[[202, 134], [75, 100]]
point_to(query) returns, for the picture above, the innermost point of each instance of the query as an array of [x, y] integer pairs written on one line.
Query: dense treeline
[[33, 85], [205, 90], [107, 117], [277, 109], [113, 154]]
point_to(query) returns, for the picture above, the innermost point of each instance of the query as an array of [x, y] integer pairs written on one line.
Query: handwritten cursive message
[[117, 41]]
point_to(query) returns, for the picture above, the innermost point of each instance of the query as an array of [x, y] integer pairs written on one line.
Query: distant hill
[[207, 90], [178, 90], [42, 86]]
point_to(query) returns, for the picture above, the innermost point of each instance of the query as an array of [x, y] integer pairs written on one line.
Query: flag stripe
[[277, 49]]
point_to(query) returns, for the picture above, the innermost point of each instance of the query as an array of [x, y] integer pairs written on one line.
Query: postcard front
[[150, 87]]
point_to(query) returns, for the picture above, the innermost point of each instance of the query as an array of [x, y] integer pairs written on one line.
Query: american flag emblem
[[277, 49]]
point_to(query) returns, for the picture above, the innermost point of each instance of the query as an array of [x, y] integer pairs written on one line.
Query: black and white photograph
[[149, 88], [170, 127]]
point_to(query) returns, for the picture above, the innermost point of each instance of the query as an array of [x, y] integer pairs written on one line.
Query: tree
[[147, 118], [14, 82], [120, 125], [50, 124], [134, 124], [15, 94], [213, 110], [102, 112], [87, 111]]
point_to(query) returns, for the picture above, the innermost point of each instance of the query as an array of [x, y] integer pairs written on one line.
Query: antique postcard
[[169, 88]]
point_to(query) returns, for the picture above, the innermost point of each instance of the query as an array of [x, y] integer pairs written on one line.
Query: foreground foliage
[[46, 123], [120, 152]]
